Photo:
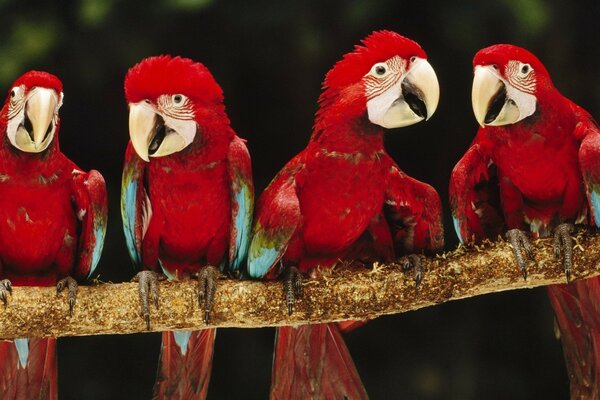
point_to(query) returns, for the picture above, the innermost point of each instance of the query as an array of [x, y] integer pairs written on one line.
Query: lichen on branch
[[342, 294]]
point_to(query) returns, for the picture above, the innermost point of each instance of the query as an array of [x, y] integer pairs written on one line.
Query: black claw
[[563, 245], [207, 281], [292, 287], [71, 285], [147, 287], [5, 287], [412, 261], [520, 243]]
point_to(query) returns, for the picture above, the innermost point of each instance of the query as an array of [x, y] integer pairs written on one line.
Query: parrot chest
[[195, 209], [36, 222], [546, 176], [339, 195]]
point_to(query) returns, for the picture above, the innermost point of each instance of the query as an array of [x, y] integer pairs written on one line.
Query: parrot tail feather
[[313, 362], [28, 369], [185, 365]]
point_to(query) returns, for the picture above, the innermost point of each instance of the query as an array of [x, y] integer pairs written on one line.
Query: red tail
[[577, 310], [313, 362], [185, 364], [28, 369]]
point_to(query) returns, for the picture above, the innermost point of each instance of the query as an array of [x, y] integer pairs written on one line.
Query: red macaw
[[533, 163], [187, 201], [343, 197], [52, 223]]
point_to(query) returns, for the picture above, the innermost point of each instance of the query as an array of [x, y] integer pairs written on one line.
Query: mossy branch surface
[[344, 293]]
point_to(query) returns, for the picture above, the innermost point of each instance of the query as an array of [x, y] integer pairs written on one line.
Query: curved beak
[[487, 89], [142, 124], [40, 109], [412, 99], [421, 82]]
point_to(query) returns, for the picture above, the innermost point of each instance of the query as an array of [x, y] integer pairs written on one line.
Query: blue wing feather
[[90, 201], [242, 202], [134, 203], [277, 218]]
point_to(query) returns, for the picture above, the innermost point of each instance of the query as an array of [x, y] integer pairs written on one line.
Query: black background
[[270, 58]]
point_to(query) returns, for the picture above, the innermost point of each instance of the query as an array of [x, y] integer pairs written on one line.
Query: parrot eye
[[177, 99], [525, 69], [16, 93], [379, 70]]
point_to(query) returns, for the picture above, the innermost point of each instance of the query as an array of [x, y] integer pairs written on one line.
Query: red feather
[[50, 216], [185, 376], [37, 380], [341, 198], [192, 198], [535, 174], [312, 361]]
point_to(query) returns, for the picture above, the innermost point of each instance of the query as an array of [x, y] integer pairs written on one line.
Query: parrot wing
[[242, 202], [474, 196], [414, 211], [312, 361], [89, 193], [277, 218], [588, 132], [136, 209]]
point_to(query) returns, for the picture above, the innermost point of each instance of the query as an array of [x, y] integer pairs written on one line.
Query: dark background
[[270, 58]]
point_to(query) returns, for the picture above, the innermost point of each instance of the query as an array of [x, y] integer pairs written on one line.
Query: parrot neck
[[342, 121], [210, 145], [16, 162], [352, 135], [553, 121]]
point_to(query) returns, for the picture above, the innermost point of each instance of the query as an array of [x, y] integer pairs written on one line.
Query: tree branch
[[341, 294]]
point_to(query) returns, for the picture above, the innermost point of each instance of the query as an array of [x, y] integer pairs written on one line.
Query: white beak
[[495, 101], [412, 99]]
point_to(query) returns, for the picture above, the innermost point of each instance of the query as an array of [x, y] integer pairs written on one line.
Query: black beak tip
[[496, 104], [413, 97]]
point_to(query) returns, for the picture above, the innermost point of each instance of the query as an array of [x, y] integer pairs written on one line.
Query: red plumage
[[534, 174], [52, 222], [185, 376], [189, 210], [341, 198]]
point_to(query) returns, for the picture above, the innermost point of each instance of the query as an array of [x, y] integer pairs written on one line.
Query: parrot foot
[[563, 245], [147, 288], [412, 261], [5, 289], [292, 287], [71, 285], [519, 242], [207, 280]]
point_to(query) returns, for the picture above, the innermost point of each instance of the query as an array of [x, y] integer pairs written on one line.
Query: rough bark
[[345, 293]]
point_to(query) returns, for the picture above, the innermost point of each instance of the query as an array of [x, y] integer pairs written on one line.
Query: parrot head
[[170, 99], [31, 111], [508, 83], [388, 77]]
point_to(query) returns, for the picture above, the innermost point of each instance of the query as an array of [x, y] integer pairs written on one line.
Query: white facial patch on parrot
[[179, 134], [397, 97], [519, 88], [32, 118], [162, 129]]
